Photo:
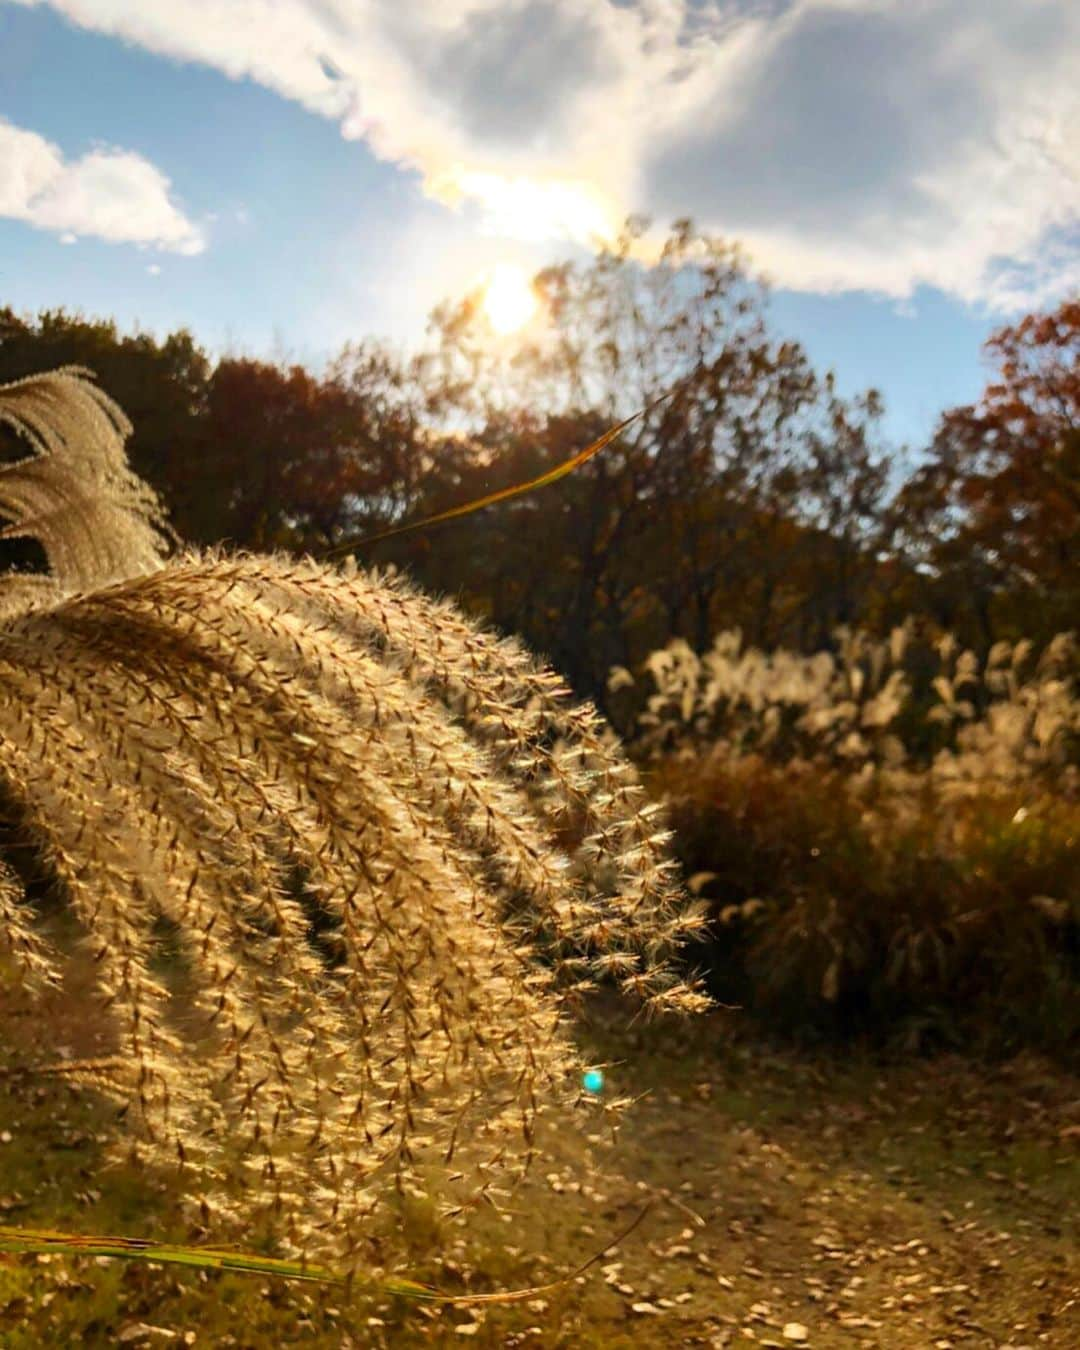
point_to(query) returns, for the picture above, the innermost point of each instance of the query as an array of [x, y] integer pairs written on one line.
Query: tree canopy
[[753, 496]]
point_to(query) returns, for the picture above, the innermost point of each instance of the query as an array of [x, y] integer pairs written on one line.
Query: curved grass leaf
[[503, 494], [28, 1241]]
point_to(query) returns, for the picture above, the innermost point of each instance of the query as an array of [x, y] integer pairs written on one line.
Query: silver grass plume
[[74, 493], [341, 859]]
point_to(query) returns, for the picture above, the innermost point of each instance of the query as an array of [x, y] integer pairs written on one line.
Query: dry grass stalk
[[341, 858]]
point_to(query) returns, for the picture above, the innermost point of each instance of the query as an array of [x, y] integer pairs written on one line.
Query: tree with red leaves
[[997, 506]]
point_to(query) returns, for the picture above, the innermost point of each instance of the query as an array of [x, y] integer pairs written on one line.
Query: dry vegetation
[[898, 1205], [341, 861], [888, 833]]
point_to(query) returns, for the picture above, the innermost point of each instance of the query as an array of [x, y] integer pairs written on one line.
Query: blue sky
[[280, 176]]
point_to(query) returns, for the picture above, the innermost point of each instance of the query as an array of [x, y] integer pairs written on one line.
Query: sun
[[509, 300]]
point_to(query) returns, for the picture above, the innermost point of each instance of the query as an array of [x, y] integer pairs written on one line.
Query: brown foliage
[[999, 500]]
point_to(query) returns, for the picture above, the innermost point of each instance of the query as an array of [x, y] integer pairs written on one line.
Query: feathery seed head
[[341, 859]]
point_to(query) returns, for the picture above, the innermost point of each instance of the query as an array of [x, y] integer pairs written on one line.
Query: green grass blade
[[28, 1241]]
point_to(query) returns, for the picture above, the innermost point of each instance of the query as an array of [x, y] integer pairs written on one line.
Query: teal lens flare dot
[[592, 1081]]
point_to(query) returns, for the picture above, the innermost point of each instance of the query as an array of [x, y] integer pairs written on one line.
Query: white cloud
[[872, 144], [111, 194]]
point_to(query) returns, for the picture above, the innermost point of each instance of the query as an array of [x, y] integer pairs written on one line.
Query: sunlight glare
[[534, 209], [509, 300]]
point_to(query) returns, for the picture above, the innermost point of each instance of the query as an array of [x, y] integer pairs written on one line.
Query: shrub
[[873, 865]]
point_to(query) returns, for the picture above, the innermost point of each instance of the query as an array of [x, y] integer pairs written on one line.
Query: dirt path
[[792, 1201], [920, 1205]]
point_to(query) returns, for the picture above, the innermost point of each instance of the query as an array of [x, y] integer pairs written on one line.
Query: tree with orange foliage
[[997, 507]]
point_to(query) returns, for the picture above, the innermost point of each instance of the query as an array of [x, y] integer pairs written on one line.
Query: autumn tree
[[287, 453], [245, 449], [161, 382], [995, 511], [695, 519], [842, 496], [750, 494]]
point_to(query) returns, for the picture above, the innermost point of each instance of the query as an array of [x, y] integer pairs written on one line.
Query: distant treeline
[[755, 497]]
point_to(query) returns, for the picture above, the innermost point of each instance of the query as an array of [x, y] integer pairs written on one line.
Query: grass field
[[792, 1199]]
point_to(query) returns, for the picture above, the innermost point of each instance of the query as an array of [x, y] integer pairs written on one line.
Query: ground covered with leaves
[[791, 1199]]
